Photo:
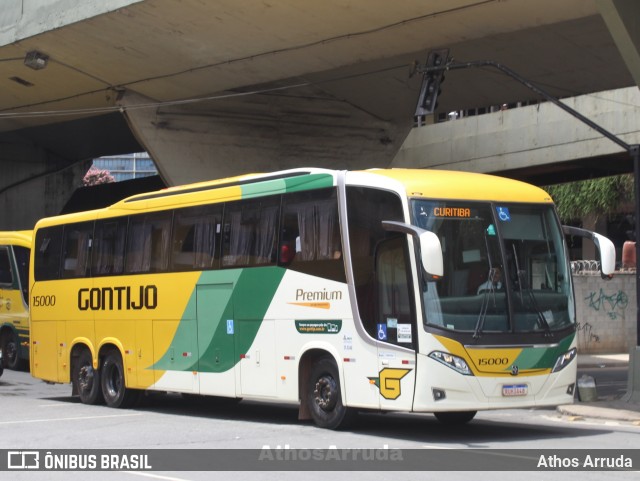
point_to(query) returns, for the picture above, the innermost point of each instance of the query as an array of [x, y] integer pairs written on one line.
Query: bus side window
[[394, 300], [48, 253], [148, 242], [6, 276], [366, 209], [250, 232], [77, 245], [196, 238], [22, 260], [310, 234], [108, 247]]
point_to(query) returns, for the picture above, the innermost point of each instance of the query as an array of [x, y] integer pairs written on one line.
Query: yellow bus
[[14, 298], [340, 291]]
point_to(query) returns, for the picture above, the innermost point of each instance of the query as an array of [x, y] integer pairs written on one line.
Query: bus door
[[216, 332], [396, 325]]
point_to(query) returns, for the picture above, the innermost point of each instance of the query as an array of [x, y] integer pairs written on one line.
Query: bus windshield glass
[[504, 268]]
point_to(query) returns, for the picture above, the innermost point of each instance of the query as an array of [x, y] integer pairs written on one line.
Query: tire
[[114, 390], [87, 379], [11, 350], [324, 396], [455, 418]]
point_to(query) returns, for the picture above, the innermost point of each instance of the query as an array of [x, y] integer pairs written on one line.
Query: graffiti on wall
[[612, 305], [585, 330]]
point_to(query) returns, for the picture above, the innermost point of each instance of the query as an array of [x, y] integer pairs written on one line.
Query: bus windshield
[[504, 268]]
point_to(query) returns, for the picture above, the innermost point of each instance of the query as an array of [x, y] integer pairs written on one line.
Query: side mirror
[[430, 247], [605, 247], [431, 253]]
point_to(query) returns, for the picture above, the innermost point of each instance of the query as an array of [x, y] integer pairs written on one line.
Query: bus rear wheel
[[87, 379], [453, 418], [324, 396], [115, 393]]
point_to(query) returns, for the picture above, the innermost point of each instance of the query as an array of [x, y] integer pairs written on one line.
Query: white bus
[[342, 291]]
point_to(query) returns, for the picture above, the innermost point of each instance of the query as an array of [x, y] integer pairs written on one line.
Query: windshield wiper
[[485, 297], [524, 284], [482, 315]]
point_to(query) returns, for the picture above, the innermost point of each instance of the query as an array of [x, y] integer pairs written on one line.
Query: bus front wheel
[[87, 379], [324, 396], [11, 350], [115, 393]]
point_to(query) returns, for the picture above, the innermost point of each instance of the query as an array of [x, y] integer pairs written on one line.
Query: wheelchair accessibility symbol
[[382, 332], [503, 214]]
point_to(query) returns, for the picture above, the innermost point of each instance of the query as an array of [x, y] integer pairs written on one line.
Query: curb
[[618, 411]]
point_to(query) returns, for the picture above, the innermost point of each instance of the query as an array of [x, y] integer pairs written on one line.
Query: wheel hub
[[85, 378], [325, 393]]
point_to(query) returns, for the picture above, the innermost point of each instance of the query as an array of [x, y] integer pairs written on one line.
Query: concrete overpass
[[540, 143], [222, 87]]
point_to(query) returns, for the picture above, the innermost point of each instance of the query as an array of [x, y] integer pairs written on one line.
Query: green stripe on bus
[[241, 296], [283, 186], [542, 357]]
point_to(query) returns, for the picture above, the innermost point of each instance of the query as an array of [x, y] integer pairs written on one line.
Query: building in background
[[127, 166]]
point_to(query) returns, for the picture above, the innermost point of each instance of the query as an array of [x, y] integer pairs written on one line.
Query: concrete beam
[[20, 19], [261, 133], [622, 18], [522, 138]]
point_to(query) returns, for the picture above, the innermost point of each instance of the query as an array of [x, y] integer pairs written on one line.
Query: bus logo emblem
[[388, 382]]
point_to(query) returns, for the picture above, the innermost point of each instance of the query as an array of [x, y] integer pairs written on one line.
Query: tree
[[96, 176], [603, 196]]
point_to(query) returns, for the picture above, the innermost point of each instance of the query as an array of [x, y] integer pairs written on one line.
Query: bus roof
[[445, 184], [425, 183], [16, 237]]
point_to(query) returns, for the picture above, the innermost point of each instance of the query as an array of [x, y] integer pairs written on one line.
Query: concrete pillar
[[633, 381]]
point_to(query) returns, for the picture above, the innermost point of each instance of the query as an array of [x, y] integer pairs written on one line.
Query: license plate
[[515, 390]]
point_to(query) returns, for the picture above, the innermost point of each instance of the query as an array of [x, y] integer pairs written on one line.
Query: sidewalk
[[609, 409]]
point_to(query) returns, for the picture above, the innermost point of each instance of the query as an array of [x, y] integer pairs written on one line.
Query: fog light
[[571, 389], [438, 394]]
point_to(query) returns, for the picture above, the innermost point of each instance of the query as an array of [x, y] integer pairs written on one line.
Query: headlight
[[454, 362], [564, 359]]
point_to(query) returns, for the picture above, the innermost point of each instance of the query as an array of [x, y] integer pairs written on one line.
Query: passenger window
[[310, 234], [48, 253], [148, 242], [77, 247], [22, 260], [108, 247], [6, 276], [196, 238], [250, 229]]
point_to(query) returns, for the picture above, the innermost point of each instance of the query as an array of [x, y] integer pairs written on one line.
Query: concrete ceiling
[[172, 50]]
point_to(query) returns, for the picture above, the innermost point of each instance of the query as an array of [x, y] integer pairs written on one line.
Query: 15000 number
[[43, 301], [493, 361]]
